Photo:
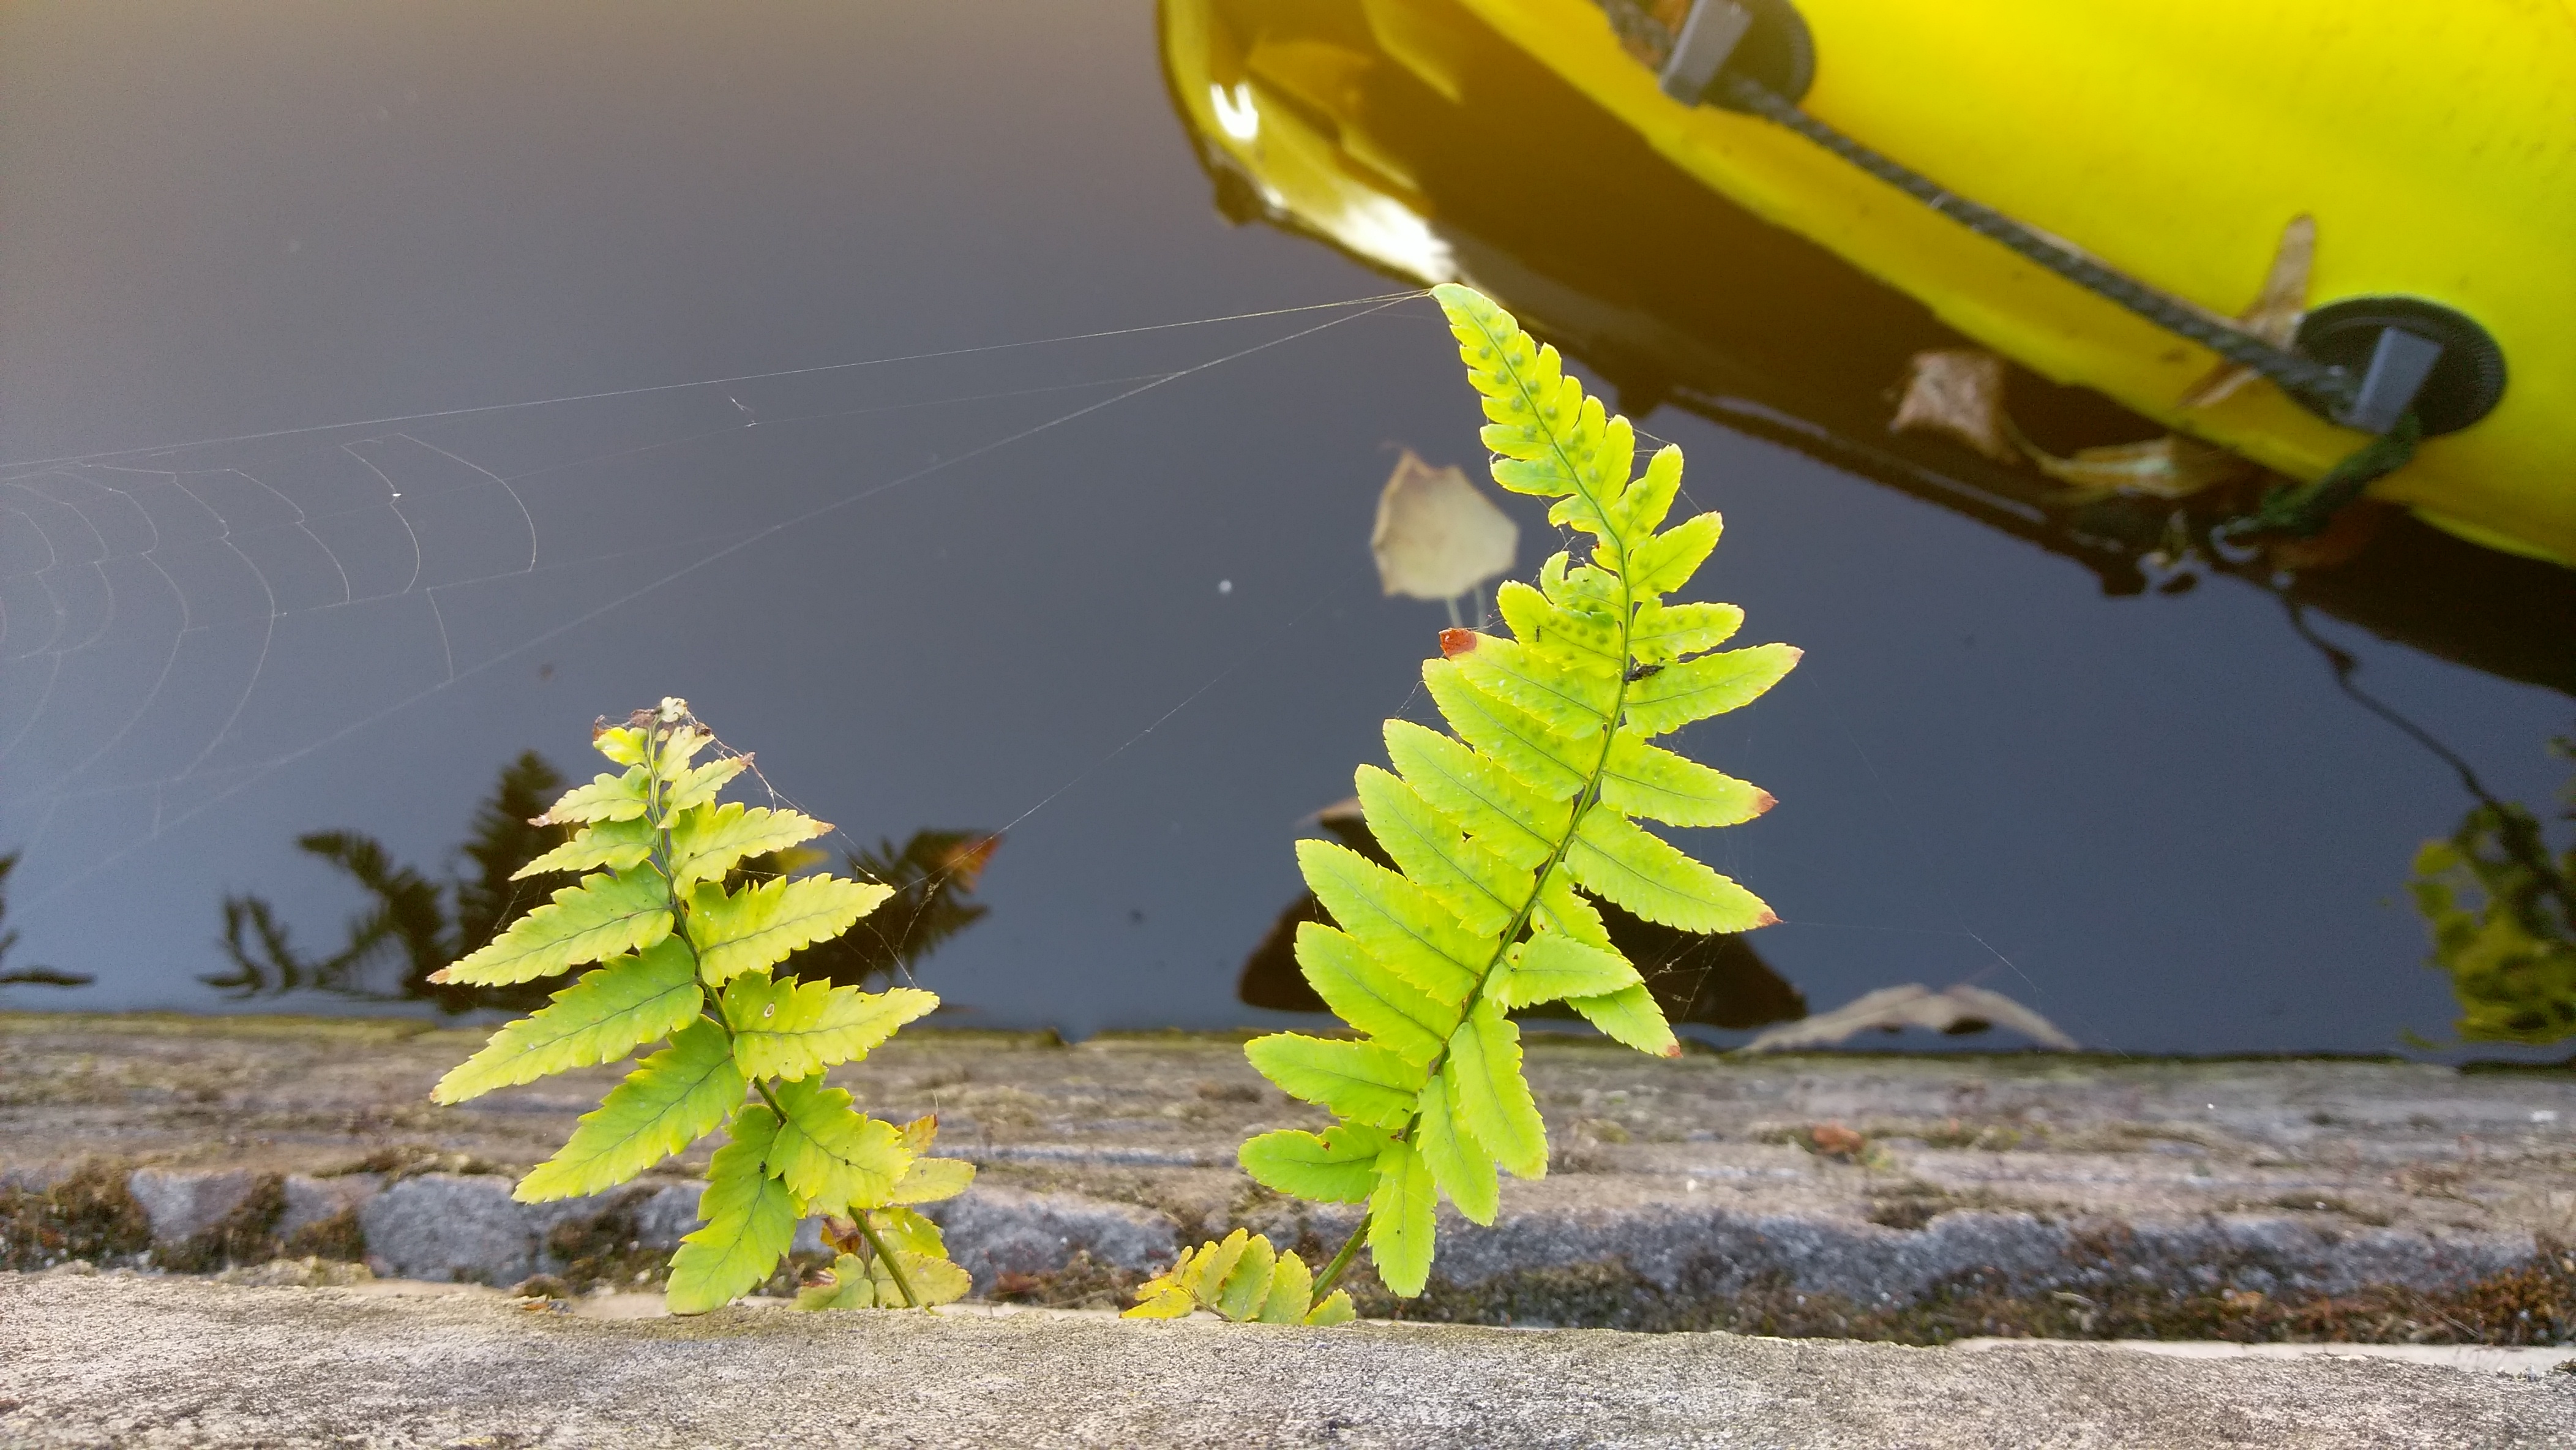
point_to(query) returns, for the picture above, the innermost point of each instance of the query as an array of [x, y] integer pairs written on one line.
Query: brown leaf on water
[[1834, 1140], [1437, 536], [2169, 467], [2274, 317], [1961, 1009], [1958, 391]]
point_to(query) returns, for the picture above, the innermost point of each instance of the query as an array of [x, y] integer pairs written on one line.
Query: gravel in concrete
[[132, 1361]]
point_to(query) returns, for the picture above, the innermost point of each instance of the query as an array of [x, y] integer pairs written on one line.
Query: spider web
[[164, 612]]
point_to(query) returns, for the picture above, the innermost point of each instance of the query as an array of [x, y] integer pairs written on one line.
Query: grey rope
[[2331, 388], [2298, 509]]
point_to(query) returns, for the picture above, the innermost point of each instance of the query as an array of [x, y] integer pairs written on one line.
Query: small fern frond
[[682, 958], [617, 845], [882, 1281], [707, 841], [1241, 1278], [1536, 791], [830, 1154]]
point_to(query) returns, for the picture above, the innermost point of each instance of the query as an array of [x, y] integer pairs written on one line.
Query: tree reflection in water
[[414, 925], [2502, 911]]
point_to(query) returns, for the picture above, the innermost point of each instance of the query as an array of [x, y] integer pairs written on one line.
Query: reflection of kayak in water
[[2173, 143], [1414, 137]]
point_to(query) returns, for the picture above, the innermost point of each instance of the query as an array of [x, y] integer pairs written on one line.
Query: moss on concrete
[[88, 1215]]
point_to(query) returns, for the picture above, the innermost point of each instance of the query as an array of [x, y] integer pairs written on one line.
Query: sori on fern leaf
[[1537, 791], [685, 961]]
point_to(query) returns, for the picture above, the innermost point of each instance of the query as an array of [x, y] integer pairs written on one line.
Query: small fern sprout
[[1242, 1278], [684, 961], [1536, 790]]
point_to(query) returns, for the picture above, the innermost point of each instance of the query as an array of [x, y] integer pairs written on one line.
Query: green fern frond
[[617, 845], [1243, 1279], [1537, 790], [929, 1180], [682, 959], [1338, 1165]]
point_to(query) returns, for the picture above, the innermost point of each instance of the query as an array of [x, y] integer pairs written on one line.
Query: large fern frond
[[1539, 790]]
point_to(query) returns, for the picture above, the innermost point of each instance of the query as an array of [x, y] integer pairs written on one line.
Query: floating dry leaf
[[1891, 1009], [1958, 391], [2274, 317], [1437, 536], [2168, 467]]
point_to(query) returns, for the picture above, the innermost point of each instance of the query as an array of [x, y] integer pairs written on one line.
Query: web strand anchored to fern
[[1492, 827]]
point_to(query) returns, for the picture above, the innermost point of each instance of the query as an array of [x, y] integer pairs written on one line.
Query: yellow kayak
[[2175, 143], [1417, 140]]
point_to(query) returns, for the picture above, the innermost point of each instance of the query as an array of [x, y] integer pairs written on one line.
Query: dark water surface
[[1146, 639]]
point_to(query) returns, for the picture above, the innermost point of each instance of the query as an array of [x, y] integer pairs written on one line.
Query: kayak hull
[[2434, 146]]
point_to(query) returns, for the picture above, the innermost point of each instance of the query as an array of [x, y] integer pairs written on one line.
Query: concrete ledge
[[131, 1361]]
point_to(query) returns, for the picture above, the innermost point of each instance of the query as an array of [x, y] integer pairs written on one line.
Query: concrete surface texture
[[1918, 1199], [134, 1361]]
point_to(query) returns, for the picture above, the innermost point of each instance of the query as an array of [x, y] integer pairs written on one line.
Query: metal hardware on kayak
[[2466, 381], [2400, 361], [1709, 37], [1765, 39], [2369, 393]]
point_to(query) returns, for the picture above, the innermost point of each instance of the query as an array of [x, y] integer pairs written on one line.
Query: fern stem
[[1333, 1271], [885, 1256], [653, 797]]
